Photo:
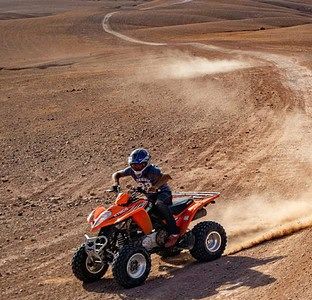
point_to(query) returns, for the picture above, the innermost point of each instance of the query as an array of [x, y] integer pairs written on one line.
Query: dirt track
[[221, 105]]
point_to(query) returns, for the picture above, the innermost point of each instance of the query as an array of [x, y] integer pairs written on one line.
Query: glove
[[140, 190], [115, 188], [152, 189]]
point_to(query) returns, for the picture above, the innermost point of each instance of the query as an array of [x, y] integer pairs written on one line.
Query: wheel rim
[[213, 241], [94, 265], [136, 265]]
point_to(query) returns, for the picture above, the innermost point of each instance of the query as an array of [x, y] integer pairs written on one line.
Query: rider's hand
[[116, 188], [152, 189], [140, 190]]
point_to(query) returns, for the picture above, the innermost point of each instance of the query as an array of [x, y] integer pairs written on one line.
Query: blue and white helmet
[[139, 160]]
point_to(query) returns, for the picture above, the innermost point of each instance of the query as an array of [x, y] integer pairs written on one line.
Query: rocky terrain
[[218, 91]]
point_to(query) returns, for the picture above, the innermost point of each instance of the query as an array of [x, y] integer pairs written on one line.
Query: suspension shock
[[120, 240]]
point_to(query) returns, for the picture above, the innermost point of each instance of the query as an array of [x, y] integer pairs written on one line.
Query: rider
[[154, 182]]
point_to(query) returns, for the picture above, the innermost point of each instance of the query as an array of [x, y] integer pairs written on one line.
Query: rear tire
[[132, 266], [82, 267], [210, 241]]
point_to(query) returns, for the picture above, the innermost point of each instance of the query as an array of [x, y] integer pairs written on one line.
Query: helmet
[[139, 160]]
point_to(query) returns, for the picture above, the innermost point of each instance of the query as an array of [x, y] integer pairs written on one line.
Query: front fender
[[137, 213], [143, 220]]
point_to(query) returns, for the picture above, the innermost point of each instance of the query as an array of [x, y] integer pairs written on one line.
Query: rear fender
[[187, 216]]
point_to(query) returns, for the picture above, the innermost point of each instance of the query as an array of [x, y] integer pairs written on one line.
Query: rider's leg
[[164, 211], [164, 199]]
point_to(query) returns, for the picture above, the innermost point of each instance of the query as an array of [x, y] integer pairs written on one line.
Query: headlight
[[102, 217]]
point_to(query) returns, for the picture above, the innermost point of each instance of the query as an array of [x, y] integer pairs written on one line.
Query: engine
[[155, 239]]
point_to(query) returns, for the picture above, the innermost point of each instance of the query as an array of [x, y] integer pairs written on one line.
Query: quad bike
[[129, 231]]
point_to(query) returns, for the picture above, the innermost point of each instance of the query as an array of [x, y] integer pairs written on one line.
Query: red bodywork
[[121, 211], [184, 219]]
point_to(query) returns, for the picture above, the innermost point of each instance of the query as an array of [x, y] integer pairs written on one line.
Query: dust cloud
[[262, 218], [259, 219], [176, 64], [184, 75], [186, 66], [273, 234]]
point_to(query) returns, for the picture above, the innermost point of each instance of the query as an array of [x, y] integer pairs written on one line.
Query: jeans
[[162, 201]]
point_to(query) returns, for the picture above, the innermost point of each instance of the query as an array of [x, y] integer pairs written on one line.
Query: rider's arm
[[162, 180], [116, 176], [119, 174]]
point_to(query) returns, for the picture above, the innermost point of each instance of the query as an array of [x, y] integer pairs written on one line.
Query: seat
[[178, 206]]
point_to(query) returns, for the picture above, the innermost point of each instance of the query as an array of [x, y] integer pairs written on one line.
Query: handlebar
[[132, 190], [117, 190]]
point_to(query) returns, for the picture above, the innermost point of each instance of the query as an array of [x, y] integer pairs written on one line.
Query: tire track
[[295, 76]]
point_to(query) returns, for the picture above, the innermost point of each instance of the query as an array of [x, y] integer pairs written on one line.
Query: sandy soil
[[223, 102]]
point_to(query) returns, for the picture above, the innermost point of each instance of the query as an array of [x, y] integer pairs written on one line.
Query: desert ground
[[220, 92]]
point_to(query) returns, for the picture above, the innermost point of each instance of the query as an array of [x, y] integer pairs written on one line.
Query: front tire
[[210, 241], [132, 266], [85, 269]]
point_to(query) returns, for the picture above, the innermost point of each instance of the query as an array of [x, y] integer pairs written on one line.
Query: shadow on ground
[[185, 280]]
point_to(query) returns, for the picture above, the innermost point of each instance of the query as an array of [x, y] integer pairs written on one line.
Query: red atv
[[129, 232]]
